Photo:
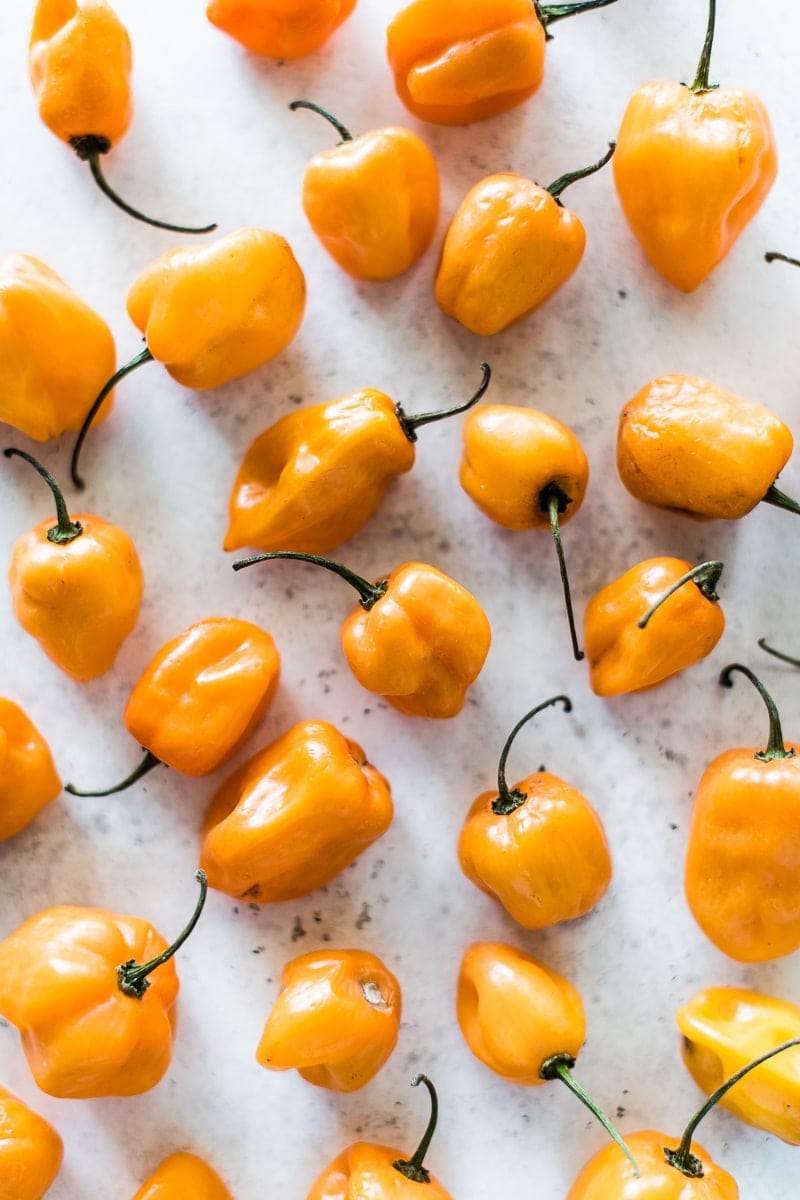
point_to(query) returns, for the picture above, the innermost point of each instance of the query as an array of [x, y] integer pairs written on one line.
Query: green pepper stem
[[682, 1158], [776, 256], [775, 747], [410, 425], [343, 132], [66, 530], [143, 357], [705, 576], [554, 500], [548, 14], [509, 799], [146, 765], [774, 496], [558, 1067], [412, 1168], [701, 83], [787, 658], [370, 593], [132, 976], [558, 185]]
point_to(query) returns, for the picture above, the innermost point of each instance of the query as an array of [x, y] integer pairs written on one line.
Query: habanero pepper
[[283, 29], [183, 1176], [314, 478], [79, 60], [31, 1151], [28, 777], [76, 586], [92, 1021], [335, 1020], [418, 639]]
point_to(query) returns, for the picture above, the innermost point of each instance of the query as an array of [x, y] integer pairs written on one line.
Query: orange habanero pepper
[[539, 847], [373, 201], [509, 247], [30, 1151], [418, 638], [294, 816], [55, 351], [314, 478], [213, 313], [692, 168], [92, 1022], [282, 29], [200, 698], [335, 1020], [657, 619], [28, 777], [76, 586], [457, 63], [183, 1176], [79, 60], [742, 877], [366, 1171]]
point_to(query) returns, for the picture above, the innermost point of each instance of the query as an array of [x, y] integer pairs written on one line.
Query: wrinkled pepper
[[335, 1021], [539, 847], [76, 586], [742, 875], [509, 247], [183, 1176], [283, 29], [28, 777], [418, 638], [294, 816], [30, 1151], [692, 168], [55, 351], [93, 1020], [314, 478]]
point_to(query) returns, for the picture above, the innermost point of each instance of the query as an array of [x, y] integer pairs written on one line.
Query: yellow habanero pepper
[[183, 1176], [28, 777], [30, 1151], [283, 29]]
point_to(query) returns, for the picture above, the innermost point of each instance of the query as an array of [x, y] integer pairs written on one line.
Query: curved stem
[[146, 765], [558, 185], [776, 256], [705, 576], [548, 14], [558, 1067], [409, 425], [795, 662], [137, 361], [554, 501], [507, 799], [774, 496], [370, 593], [682, 1158], [66, 530], [775, 747], [132, 977], [701, 83], [342, 131], [413, 1168]]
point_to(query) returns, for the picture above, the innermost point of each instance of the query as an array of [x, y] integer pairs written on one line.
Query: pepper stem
[[774, 496], [143, 357], [66, 530], [342, 131], [370, 593], [548, 14], [701, 83], [509, 799], [553, 500], [89, 149], [148, 762], [704, 575], [413, 1168], [558, 1067], [409, 425], [558, 185], [787, 658], [775, 747], [773, 255], [132, 976], [682, 1158]]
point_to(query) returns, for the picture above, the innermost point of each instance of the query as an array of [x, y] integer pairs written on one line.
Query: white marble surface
[[212, 138]]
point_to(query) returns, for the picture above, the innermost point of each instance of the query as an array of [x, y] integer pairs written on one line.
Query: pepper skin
[[335, 1020], [30, 1151], [610, 1176], [691, 446], [183, 1176], [294, 816], [282, 29], [55, 351], [624, 658], [28, 777], [723, 1029]]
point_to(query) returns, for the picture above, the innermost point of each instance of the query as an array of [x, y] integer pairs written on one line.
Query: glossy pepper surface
[[28, 777], [183, 1176], [280, 28], [335, 1020], [689, 445], [610, 1176], [55, 351], [30, 1151], [294, 816]]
